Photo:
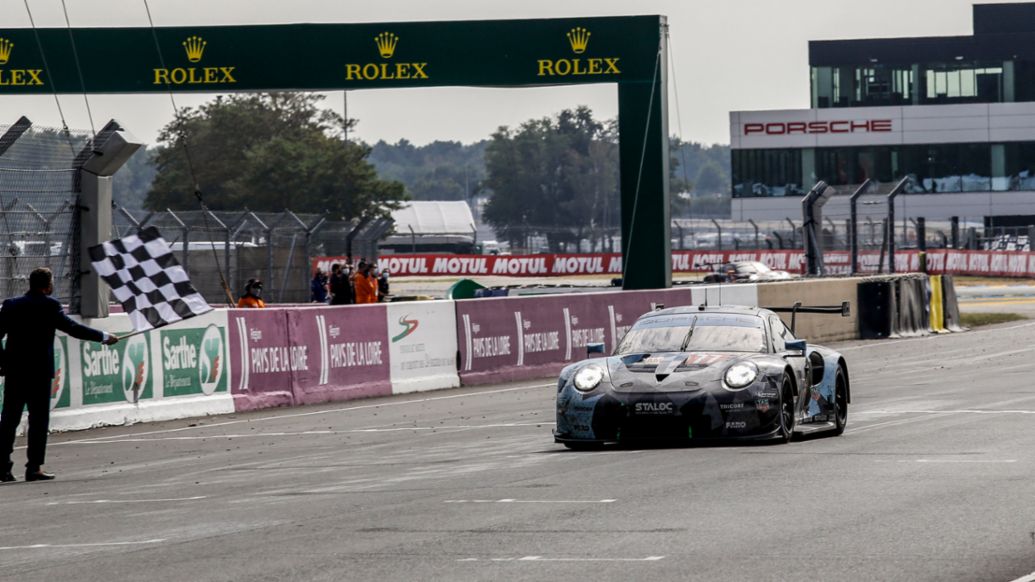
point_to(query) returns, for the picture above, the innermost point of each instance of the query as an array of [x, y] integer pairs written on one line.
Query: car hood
[[670, 371]]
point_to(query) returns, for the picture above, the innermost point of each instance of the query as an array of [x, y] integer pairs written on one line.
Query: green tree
[[268, 152], [553, 177]]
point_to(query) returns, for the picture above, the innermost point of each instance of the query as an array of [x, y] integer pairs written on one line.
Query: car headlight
[[740, 375], [588, 378]]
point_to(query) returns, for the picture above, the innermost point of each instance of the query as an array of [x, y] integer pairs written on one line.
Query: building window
[[762, 173], [963, 83]]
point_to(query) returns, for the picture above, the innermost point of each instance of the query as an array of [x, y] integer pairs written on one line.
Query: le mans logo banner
[[194, 48], [16, 77], [386, 70], [578, 39]]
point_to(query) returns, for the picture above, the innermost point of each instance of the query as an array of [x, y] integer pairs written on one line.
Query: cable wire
[[79, 70], [190, 161], [50, 79]]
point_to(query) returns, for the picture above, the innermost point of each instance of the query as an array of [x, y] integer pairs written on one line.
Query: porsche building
[[956, 114]]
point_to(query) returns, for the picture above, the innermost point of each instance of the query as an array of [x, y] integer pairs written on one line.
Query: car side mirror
[[797, 346], [597, 348]]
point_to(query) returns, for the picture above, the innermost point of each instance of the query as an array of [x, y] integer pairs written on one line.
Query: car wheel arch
[[843, 365]]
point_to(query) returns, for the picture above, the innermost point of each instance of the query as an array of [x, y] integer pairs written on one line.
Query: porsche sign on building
[[955, 114]]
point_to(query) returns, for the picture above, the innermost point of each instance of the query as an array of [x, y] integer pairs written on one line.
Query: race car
[[745, 271], [690, 373]]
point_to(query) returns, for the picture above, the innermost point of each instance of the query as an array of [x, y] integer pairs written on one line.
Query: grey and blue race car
[[705, 373]]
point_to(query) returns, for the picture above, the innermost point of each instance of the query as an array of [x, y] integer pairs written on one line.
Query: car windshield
[[712, 332]]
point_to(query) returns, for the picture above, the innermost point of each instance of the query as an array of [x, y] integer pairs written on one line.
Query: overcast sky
[[728, 55]]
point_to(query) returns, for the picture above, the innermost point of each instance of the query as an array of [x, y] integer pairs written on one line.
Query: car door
[[781, 335]]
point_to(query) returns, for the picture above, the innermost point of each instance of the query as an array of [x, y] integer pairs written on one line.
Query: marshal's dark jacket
[[28, 322]]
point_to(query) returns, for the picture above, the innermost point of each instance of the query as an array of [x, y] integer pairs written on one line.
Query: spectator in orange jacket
[[252, 295], [365, 284]]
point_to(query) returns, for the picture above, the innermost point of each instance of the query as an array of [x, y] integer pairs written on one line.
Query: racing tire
[[786, 432], [840, 402]]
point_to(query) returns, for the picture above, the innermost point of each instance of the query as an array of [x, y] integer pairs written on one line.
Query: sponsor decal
[[577, 66], [732, 406], [409, 326], [59, 386], [135, 368], [16, 77], [736, 425], [654, 408], [194, 49], [762, 404], [386, 43], [192, 361], [819, 127]]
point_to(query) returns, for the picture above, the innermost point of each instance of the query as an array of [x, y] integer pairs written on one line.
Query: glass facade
[[974, 167], [922, 84]]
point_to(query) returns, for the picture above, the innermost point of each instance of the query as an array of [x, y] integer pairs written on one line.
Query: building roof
[[433, 218], [1001, 32]]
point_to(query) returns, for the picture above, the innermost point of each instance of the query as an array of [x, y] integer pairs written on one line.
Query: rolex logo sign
[[16, 77], [578, 40], [194, 48], [5, 50], [386, 43]]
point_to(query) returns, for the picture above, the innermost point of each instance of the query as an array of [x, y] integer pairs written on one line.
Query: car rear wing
[[845, 310]]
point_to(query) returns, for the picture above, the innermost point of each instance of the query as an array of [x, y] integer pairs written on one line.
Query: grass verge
[[979, 319]]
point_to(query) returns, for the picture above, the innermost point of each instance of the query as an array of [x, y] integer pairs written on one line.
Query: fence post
[[185, 230], [921, 233], [853, 243], [890, 226], [955, 231], [811, 213], [718, 229], [758, 245]]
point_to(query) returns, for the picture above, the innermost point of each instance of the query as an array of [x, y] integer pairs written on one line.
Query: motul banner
[[939, 261]]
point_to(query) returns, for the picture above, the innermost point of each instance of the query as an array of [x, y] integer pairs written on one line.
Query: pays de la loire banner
[[939, 261]]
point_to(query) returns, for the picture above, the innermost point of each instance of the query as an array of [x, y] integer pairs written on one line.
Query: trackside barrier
[[166, 374], [815, 327], [518, 338], [290, 357], [422, 346], [937, 308], [950, 305], [907, 306]]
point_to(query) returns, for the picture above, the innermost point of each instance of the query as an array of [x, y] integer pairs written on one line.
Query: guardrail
[[247, 359]]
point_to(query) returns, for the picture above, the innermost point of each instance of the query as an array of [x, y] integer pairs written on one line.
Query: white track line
[[542, 559], [530, 500], [314, 413], [93, 545], [1028, 578], [100, 501]]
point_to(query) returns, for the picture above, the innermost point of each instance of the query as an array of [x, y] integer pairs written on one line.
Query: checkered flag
[[147, 280]]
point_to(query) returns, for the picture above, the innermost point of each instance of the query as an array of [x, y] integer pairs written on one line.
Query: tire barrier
[[876, 307], [937, 305], [247, 359], [907, 306], [950, 305]]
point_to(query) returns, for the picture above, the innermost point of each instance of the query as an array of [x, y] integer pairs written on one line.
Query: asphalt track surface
[[932, 481]]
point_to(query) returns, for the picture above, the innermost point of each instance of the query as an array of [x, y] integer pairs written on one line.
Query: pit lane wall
[[939, 262], [247, 359]]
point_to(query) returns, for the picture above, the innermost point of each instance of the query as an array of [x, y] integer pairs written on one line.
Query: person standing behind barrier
[[382, 286], [365, 284], [29, 323], [341, 292], [252, 297], [318, 287]]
